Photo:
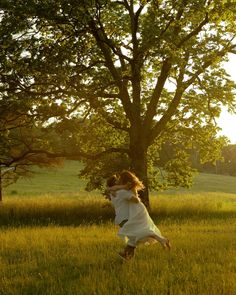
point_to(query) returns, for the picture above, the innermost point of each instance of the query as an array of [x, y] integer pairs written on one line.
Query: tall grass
[[83, 260], [45, 210], [40, 255], [65, 242]]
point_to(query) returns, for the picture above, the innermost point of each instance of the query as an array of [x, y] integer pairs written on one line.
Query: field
[[55, 238]]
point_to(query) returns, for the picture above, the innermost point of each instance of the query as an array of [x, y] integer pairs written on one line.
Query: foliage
[[21, 143], [229, 164], [147, 72]]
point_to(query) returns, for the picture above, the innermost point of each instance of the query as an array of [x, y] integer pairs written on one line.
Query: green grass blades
[[57, 239], [45, 256], [84, 260]]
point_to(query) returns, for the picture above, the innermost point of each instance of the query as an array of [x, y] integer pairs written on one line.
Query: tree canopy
[[115, 80]]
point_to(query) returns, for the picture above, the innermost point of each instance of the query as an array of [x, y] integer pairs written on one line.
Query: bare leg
[[164, 241], [127, 253]]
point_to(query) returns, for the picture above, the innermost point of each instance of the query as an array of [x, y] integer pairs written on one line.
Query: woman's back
[[121, 203]]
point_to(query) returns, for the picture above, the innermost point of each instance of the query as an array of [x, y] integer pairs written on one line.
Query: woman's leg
[[164, 241], [129, 249]]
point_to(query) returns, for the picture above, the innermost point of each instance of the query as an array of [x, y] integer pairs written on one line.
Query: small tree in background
[[21, 148], [228, 165]]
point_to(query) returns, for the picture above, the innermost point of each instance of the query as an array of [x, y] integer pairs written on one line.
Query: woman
[[132, 216]]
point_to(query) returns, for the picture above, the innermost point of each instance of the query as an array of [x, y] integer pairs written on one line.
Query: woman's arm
[[117, 187], [134, 199]]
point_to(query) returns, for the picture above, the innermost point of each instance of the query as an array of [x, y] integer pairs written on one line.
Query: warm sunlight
[[227, 121]]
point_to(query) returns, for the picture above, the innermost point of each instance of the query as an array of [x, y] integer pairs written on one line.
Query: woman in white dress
[[136, 226]]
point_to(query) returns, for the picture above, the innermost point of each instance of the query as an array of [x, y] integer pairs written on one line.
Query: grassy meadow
[[55, 238]]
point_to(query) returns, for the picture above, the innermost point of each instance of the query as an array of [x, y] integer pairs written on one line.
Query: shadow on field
[[53, 214], [37, 214], [183, 216]]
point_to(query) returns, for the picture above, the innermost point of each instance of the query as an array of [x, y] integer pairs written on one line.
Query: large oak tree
[[120, 78]]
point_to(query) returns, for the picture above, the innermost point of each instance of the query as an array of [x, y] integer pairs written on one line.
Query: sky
[[227, 121]]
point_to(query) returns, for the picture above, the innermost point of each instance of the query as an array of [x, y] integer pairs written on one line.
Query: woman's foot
[[168, 244], [128, 253], [123, 256]]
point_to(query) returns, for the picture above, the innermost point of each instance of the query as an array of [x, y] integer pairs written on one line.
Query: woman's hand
[[117, 187], [135, 199]]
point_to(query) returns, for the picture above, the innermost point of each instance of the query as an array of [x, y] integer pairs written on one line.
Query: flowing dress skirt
[[140, 228]]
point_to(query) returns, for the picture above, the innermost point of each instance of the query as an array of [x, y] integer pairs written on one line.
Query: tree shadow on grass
[[61, 275], [13, 217], [183, 216]]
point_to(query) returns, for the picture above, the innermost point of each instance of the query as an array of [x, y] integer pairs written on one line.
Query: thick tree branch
[[107, 95], [181, 87], [77, 155], [136, 62], [204, 66], [194, 32], [98, 35], [111, 120], [123, 92], [116, 50], [151, 109], [160, 125], [14, 127]]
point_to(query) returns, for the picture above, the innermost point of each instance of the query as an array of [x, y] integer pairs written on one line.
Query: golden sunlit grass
[[69, 246], [56, 239]]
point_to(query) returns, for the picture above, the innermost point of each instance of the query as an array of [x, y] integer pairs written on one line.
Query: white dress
[[120, 202], [140, 228]]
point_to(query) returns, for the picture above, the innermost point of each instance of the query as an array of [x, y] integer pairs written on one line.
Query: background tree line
[[226, 164]]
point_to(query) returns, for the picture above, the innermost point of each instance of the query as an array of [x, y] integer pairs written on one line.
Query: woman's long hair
[[112, 180], [127, 177]]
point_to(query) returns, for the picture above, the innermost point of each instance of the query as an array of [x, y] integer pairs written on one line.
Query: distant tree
[[21, 145], [112, 64], [228, 165]]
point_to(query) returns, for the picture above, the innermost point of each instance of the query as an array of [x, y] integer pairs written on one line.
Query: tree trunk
[[0, 185], [138, 155]]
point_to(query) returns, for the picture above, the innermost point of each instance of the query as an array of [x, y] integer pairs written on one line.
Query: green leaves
[[113, 76]]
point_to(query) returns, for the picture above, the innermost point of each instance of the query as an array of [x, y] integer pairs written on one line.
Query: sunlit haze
[[227, 121]]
